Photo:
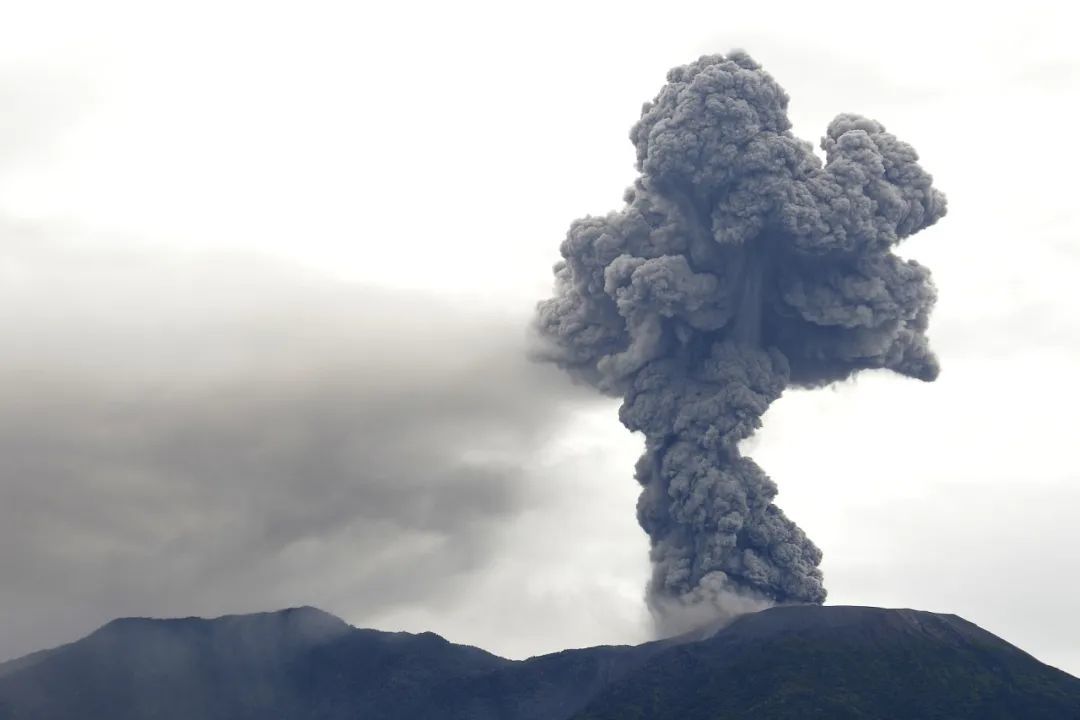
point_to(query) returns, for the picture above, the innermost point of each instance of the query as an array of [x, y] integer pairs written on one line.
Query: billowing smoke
[[739, 265]]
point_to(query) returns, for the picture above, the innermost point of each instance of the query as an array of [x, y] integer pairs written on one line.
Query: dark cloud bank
[[740, 265], [206, 434]]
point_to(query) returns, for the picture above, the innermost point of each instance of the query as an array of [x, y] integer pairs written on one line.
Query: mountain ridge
[[794, 661]]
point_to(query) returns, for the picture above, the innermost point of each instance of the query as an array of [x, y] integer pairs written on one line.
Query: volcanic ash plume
[[739, 265]]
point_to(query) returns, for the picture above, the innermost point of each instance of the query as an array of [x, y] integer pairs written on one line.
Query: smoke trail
[[739, 265]]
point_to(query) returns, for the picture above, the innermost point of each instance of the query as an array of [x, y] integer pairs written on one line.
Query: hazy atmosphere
[[267, 276]]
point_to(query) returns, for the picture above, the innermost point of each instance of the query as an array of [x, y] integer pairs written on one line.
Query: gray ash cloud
[[197, 433], [740, 265]]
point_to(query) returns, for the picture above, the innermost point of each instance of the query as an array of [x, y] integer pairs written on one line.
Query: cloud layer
[[198, 433]]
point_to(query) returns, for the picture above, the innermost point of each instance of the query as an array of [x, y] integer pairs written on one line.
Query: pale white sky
[[442, 150]]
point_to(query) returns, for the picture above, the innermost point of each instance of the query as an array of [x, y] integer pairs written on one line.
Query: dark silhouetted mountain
[[302, 664], [839, 663]]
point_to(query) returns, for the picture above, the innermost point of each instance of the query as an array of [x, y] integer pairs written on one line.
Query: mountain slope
[[300, 664], [806, 662], [137, 667]]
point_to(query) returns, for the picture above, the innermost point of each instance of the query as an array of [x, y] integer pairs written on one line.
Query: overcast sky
[[266, 270]]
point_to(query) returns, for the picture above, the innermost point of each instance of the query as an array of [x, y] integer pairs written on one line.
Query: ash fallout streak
[[739, 265]]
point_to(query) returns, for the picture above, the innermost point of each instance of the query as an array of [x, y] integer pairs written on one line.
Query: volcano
[[304, 664]]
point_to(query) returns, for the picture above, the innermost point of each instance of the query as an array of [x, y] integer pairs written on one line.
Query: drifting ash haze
[[739, 265]]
